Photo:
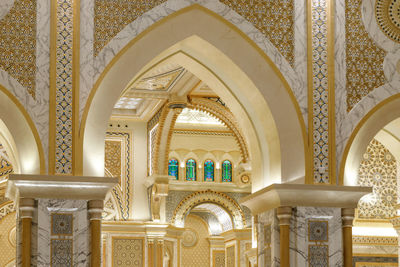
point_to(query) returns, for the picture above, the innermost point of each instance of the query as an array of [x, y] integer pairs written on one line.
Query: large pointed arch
[[241, 73]]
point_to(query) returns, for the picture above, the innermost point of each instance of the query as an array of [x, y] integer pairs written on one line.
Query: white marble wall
[[146, 20], [268, 219], [80, 229], [299, 240]]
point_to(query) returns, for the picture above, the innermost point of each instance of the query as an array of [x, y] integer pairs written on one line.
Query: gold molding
[[31, 126], [234, 28], [77, 158], [52, 87]]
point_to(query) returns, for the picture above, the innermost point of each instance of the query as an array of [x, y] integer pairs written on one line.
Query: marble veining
[[78, 208], [143, 22], [5, 7], [268, 254], [299, 235]]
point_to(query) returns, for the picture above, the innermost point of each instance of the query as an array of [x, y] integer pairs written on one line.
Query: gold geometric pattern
[[111, 16], [127, 252], [387, 14], [198, 255], [378, 169], [230, 255], [7, 251], [113, 158], [18, 44], [320, 91], [219, 258], [64, 40], [364, 59], [273, 18]]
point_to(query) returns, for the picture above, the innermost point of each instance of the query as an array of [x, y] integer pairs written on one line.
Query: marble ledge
[[294, 195], [59, 187]]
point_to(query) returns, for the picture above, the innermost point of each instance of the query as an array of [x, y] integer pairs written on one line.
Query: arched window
[[226, 171], [173, 168], [209, 171], [190, 170]]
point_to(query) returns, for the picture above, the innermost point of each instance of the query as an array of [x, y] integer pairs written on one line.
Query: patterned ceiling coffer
[[388, 18], [379, 170], [364, 59], [18, 44], [273, 18], [111, 16]]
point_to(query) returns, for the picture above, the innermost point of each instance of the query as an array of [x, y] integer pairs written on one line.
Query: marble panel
[[80, 244], [268, 239], [303, 238], [143, 22], [5, 7]]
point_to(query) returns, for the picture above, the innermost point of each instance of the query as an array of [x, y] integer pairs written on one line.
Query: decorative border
[[375, 240], [6, 208], [62, 85], [124, 201], [309, 231], [321, 92]]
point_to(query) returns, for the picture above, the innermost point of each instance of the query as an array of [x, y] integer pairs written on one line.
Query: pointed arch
[[207, 45]]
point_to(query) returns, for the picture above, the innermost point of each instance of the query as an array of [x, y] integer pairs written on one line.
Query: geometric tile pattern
[[61, 224], [199, 254], [364, 59], [318, 255], [318, 231], [18, 44], [320, 91], [61, 252], [111, 16], [127, 252], [219, 258], [64, 40], [118, 163], [5, 165], [230, 256], [273, 18], [378, 169], [7, 223]]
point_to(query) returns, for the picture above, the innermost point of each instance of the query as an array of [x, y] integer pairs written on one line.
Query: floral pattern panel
[[378, 169]]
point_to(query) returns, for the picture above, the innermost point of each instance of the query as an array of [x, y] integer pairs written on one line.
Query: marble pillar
[[60, 232], [301, 225]]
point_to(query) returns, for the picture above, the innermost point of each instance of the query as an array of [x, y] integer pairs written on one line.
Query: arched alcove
[[368, 127], [20, 135], [208, 46]]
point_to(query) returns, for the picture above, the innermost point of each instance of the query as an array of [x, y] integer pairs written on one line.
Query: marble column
[[65, 205], [347, 224], [284, 215], [312, 221]]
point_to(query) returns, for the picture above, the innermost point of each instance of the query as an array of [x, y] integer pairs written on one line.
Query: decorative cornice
[[295, 195], [375, 240]]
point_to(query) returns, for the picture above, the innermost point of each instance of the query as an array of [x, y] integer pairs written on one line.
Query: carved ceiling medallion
[[388, 18]]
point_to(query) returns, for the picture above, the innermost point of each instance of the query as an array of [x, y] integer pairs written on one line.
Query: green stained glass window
[[209, 171], [226, 171], [173, 168], [190, 170]]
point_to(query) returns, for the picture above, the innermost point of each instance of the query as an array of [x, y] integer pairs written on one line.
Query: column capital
[[347, 217], [95, 209], [26, 207], [284, 215]]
